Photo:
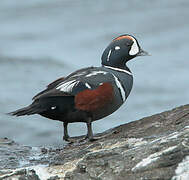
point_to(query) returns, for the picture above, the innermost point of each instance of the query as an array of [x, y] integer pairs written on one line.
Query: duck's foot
[[91, 138], [67, 138]]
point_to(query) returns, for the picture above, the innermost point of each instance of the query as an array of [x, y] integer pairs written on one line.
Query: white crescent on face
[[134, 48]]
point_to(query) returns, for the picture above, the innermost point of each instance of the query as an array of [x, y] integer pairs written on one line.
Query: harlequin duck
[[92, 93]]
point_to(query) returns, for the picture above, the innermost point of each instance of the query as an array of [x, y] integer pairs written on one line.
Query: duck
[[90, 93]]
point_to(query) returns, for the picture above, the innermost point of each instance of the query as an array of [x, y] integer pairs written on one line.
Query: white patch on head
[[109, 53], [94, 73], [134, 48], [87, 85], [117, 48], [120, 87], [53, 107], [67, 86]]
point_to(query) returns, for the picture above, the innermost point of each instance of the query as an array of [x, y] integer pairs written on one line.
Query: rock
[[153, 148]]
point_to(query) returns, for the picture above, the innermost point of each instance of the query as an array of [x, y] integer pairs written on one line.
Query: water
[[44, 40]]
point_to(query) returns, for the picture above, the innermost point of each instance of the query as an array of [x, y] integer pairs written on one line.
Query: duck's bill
[[143, 53]]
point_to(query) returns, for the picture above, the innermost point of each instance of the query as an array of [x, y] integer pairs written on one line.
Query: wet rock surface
[[153, 148]]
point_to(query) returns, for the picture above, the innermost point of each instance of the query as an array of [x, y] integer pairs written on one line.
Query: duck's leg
[[90, 131], [66, 136]]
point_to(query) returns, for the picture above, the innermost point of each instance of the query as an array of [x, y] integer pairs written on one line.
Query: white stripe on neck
[[118, 69]]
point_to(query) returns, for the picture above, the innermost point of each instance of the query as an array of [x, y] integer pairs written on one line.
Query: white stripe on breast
[[120, 87]]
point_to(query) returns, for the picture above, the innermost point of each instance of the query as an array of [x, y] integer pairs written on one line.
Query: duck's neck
[[121, 69], [117, 66]]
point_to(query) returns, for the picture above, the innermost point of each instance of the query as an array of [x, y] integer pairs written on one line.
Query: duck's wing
[[90, 87]]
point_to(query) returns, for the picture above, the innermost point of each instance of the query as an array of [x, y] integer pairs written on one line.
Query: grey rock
[[153, 148]]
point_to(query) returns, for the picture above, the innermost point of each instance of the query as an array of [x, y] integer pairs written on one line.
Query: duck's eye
[[128, 44]]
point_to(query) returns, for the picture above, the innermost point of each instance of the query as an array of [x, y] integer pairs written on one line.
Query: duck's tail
[[34, 108]]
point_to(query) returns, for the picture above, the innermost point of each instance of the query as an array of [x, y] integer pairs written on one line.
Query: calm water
[[43, 40]]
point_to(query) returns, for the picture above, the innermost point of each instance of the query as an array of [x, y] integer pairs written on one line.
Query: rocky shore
[[153, 148]]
